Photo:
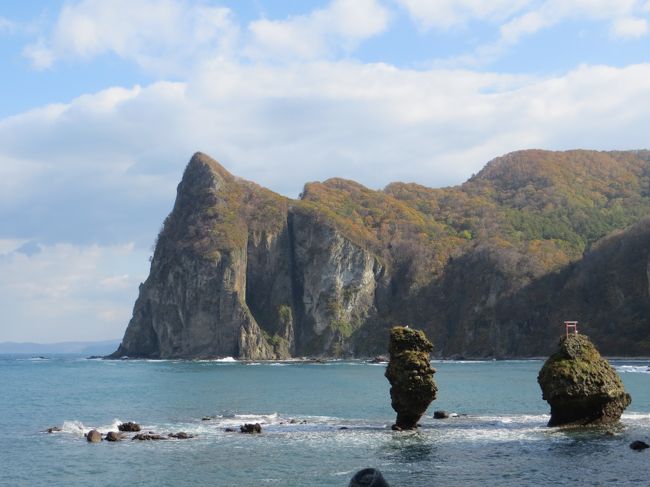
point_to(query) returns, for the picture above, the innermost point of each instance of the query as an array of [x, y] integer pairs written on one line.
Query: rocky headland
[[488, 268], [581, 387]]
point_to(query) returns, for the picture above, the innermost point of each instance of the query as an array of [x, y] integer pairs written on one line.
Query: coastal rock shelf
[[581, 387]]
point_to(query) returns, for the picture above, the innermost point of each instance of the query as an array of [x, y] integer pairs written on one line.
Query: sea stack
[[410, 375], [581, 387]]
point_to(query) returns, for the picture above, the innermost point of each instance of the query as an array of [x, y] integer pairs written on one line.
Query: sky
[[105, 101]]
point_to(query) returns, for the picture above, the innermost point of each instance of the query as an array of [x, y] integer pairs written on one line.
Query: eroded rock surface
[[410, 375], [581, 387]]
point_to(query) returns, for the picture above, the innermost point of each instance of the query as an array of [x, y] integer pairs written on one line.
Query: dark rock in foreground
[[93, 436], [251, 428], [440, 415], [581, 387], [639, 445], [129, 427], [410, 375], [368, 477]]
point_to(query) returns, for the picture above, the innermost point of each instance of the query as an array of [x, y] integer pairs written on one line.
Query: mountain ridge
[[240, 270]]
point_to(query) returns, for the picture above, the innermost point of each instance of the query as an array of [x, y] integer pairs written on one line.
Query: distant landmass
[[489, 268], [91, 348]]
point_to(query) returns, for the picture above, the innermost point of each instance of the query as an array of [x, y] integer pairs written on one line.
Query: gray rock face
[[238, 272], [335, 283]]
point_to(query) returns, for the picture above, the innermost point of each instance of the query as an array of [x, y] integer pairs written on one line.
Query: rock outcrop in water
[[129, 426], [484, 267], [410, 375], [581, 387], [251, 428], [93, 436]]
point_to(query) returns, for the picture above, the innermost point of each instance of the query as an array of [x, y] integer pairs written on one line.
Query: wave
[[481, 429], [637, 369], [77, 428], [225, 360]]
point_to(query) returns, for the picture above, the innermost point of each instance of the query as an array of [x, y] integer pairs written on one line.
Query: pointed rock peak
[[200, 162]]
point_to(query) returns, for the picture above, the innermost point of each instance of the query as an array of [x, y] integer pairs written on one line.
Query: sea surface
[[499, 438]]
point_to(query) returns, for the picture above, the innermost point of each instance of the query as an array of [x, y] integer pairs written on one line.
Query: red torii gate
[[571, 326]]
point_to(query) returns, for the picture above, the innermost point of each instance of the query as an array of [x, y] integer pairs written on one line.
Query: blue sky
[[104, 102]]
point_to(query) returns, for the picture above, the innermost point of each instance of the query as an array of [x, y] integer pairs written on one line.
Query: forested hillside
[[487, 268]]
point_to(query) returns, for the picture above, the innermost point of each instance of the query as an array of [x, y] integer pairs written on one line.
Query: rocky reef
[[581, 387], [410, 375]]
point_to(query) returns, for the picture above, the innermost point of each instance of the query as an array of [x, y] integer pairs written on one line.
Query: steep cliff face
[[488, 268], [237, 272], [334, 284]]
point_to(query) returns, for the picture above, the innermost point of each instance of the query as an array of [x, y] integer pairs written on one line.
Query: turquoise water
[[502, 441]]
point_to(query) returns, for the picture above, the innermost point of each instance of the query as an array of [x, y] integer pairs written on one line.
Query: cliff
[[488, 268]]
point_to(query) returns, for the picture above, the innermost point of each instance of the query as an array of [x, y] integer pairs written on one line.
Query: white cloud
[[121, 152], [172, 36], [450, 13], [341, 25], [7, 26], [534, 17], [629, 28], [67, 292], [552, 12], [9, 245], [164, 36]]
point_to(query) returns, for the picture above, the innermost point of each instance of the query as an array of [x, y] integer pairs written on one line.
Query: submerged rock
[[181, 435], [129, 426], [53, 429], [93, 436], [580, 386], [251, 428], [639, 445], [410, 375], [149, 436]]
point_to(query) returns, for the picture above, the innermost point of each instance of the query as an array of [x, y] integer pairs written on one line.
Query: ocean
[[341, 423]]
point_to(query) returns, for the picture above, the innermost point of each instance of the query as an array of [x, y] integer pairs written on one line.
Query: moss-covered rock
[[580, 386], [410, 375]]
